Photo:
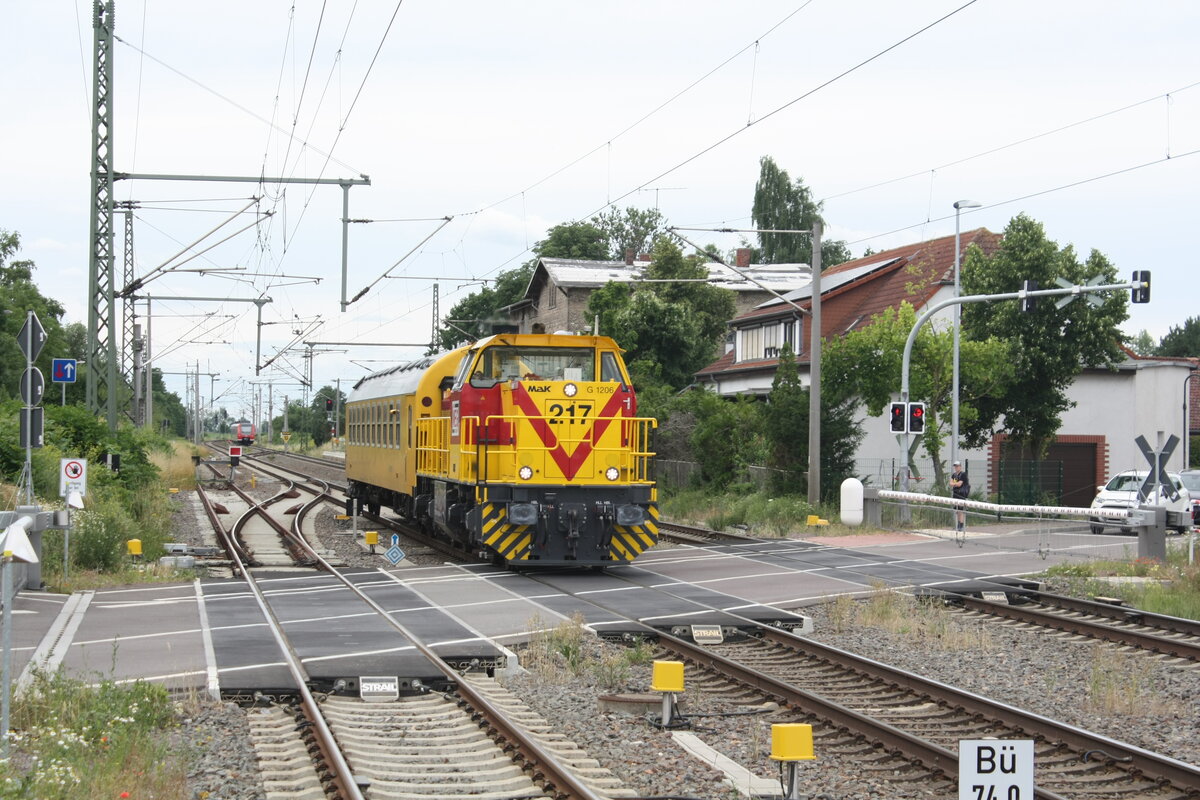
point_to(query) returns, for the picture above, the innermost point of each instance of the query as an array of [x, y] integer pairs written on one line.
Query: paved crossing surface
[[210, 635]]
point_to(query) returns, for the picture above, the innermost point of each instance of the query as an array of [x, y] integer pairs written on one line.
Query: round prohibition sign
[[73, 469]]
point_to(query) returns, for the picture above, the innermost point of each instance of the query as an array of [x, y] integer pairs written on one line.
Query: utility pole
[[814, 372]]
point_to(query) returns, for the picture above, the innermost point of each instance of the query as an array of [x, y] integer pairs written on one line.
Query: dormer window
[[766, 341]]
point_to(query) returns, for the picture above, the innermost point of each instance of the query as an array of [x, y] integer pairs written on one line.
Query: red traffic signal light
[[899, 418], [329, 404], [916, 417]]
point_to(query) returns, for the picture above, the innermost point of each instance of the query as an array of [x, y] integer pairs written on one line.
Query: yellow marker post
[[667, 677], [791, 743], [134, 547], [372, 539]]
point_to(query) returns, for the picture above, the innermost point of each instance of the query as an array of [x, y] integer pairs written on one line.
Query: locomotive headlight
[[570, 390], [526, 473], [612, 473], [523, 513], [628, 515]]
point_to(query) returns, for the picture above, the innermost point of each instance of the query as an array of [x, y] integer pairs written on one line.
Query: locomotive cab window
[[497, 364], [610, 370]]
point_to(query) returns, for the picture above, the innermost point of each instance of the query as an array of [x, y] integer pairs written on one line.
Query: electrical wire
[[1059, 188], [1015, 143], [608, 142], [764, 118], [328, 156]]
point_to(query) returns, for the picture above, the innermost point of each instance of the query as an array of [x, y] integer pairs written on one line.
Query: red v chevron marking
[[571, 463]]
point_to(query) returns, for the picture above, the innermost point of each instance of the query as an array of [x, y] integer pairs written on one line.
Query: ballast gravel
[[1143, 701]]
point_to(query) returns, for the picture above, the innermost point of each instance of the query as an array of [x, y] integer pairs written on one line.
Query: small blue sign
[[62, 370], [394, 554]]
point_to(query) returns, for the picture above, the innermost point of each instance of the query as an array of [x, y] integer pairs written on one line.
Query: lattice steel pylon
[[102, 357], [128, 313]]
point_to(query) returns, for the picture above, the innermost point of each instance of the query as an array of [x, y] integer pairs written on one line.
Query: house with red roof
[[1143, 396]]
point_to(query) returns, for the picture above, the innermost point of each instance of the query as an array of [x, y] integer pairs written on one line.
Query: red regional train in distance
[[243, 432], [523, 448]]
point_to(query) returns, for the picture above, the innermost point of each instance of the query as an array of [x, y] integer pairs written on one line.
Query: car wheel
[[1097, 529]]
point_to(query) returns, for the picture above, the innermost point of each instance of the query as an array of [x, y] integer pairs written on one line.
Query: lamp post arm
[[977, 298]]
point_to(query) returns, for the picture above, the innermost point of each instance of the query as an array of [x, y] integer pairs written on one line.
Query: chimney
[[743, 257], [629, 257]]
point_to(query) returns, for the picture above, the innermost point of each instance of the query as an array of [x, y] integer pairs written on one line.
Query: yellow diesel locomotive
[[525, 449]]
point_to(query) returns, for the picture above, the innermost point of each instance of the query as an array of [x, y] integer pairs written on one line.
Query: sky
[[510, 118]]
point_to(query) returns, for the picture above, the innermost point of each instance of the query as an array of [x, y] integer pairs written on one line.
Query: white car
[[1122, 492]]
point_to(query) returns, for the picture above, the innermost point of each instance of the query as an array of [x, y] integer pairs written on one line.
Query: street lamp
[[958, 207]]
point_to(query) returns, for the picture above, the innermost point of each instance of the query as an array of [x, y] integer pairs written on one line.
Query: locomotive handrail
[[434, 447]]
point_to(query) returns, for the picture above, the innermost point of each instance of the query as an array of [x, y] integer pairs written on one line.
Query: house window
[[761, 341], [551, 295]]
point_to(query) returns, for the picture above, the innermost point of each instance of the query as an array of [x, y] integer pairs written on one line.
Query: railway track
[[897, 712], [906, 727], [474, 739], [692, 534], [1110, 621]]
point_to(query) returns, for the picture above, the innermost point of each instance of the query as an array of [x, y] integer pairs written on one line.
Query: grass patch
[[176, 469], [1171, 588], [932, 624], [763, 514], [569, 650], [1124, 683], [75, 742]]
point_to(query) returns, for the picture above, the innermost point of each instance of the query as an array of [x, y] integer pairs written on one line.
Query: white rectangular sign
[[72, 476], [995, 769]]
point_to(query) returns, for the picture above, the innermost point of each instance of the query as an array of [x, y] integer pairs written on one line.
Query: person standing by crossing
[[960, 489]]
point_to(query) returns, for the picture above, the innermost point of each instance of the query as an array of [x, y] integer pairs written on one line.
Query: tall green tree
[[781, 204], [1048, 346], [670, 327], [787, 416], [632, 229], [867, 364], [19, 295], [1143, 344], [1181, 341]]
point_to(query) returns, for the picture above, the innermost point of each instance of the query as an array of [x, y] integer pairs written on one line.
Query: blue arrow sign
[[62, 370], [395, 540]]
